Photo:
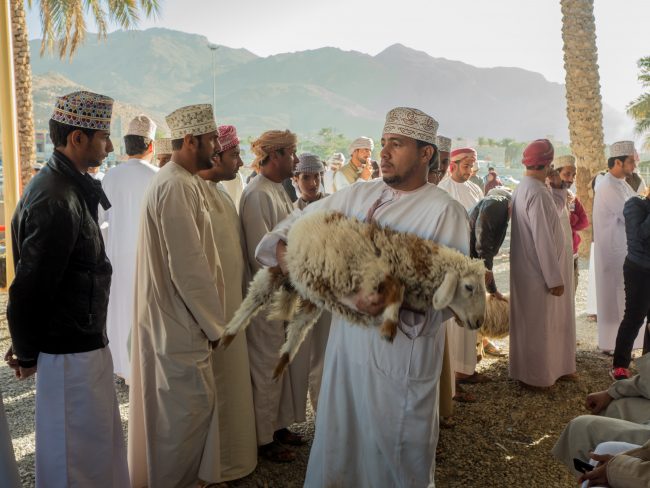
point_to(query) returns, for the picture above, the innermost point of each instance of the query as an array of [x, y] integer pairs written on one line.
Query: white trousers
[[79, 439]]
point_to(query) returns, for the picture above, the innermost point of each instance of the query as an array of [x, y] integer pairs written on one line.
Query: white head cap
[[444, 144], [413, 123], [336, 158], [192, 120], [621, 149], [562, 161], [142, 126], [163, 146], [361, 143]]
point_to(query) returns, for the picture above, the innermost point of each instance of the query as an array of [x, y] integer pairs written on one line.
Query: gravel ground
[[502, 440]]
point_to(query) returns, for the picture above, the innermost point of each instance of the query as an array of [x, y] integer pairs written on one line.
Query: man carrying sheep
[[377, 422]]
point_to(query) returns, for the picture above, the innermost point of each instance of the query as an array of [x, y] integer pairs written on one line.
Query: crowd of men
[[139, 273]]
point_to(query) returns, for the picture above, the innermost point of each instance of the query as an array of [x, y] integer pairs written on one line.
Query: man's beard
[[392, 180]]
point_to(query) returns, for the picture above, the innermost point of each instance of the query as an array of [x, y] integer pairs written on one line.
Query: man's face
[[96, 148], [400, 158], [207, 149], [629, 165], [435, 176], [230, 162], [309, 185], [362, 155], [568, 174], [553, 179], [463, 168], [287, 161], [163, 159]]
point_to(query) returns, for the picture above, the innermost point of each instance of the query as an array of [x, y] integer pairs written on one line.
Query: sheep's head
[[464, 294]]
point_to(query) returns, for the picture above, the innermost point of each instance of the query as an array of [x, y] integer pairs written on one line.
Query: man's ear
[[428, 152], [76, 138], [189, 140]]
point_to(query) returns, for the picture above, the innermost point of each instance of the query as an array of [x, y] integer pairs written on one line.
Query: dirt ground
[[502, 440]]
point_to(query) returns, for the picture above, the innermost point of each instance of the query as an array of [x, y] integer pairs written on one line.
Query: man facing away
[[264, 203], [610, 247], [59, 256], [125, 186], [359, 166], [542, 342], [237, 441], [179, 317], [377, 422]]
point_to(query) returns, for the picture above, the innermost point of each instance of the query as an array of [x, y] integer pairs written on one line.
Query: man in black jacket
[[636, 276], [60, 258]]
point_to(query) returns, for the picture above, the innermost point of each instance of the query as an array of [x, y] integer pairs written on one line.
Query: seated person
[[619, 465], [621, 413]]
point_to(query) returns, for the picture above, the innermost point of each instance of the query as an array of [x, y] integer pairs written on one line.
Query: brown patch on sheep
[[420, 252], [393, 292], [333, 217]]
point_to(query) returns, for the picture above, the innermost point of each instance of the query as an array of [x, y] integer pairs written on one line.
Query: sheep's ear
[[445, 292]]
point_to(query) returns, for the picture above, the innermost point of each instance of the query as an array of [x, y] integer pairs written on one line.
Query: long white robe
[[179, 308], [9, 477], [79, 439], [125, 186], [231, 370], [610, 249], [377, 422], [542, 338], [234, 188], [591, 308], [281, 403], [462, 341]]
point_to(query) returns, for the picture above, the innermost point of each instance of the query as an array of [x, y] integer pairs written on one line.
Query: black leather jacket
[[58, 299], [488, 221], [637, 229]]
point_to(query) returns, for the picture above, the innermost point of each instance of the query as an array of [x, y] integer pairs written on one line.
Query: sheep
[[331, 257], [497, 317]]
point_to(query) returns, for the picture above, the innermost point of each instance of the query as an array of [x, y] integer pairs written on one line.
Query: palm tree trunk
[[24, 104], [584, 105]]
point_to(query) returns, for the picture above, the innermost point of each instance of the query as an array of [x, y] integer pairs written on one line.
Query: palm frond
[[123, 12], [99, 14]]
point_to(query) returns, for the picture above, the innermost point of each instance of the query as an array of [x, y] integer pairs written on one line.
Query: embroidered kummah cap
[[562, 161], [538, 153], [227, 137], [192, 120], [142, 126], [336, 158], [309, 163], [84, 109], [163, 146], [413, 123], [621, 148], [361, 143], [462, 153], [444, 144]]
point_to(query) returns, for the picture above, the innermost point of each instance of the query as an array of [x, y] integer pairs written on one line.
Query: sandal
[[572, 377], [463, 396], [276, 453], [493, 350], [447, 422], [474, 379], [285, 436]]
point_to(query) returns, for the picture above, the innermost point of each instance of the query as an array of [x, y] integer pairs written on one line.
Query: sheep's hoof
[[226, 339], [282, 364], [389, 331]]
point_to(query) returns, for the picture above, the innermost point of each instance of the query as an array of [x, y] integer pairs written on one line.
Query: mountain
[[160, 70]]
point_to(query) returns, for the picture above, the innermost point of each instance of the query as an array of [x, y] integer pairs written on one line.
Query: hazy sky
[[485, 33]]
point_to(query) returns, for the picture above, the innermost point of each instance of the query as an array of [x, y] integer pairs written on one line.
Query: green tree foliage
[[325, 143], [639, 109]]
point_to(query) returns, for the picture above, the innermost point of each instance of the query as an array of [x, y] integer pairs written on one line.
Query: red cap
[[462, 153], [538, 153]]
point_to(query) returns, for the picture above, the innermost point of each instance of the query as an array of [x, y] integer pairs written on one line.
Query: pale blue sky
[[523, 33]]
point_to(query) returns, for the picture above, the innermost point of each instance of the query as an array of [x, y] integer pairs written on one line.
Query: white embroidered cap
[[444, 144], [361, 143], [142, 126], [621, 148], [562, 161], [413, 123], [163, 146], [192, 120]]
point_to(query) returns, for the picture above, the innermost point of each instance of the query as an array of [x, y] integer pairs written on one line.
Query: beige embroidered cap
[[163, 146], [413, 123], [193, 120], [444, 144], [621, 148], [142, 126]]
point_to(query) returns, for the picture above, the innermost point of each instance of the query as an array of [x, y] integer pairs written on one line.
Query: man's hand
[[598, 476], [557, 291], [366, 171], [20, 372], [24, 373], [280, 254], [597, 402], [370, 304]]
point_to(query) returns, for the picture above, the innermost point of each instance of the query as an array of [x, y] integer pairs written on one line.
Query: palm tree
[[64, 26], [584, 104], [639, 109]]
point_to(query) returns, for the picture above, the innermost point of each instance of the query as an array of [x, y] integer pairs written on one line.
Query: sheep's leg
[[264, 285], [297, 329], [394, 296], [284, 304]]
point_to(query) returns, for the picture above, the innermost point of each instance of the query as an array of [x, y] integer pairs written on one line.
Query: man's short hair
[[135, 144], [611, 162], [536, 168], [177, 144], [59, 132]]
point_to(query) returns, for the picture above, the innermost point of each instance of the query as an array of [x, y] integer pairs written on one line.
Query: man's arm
[[44, 240], [188, 265], [630, 469]]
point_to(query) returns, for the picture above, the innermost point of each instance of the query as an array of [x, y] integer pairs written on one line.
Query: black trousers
[[637, 309]]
